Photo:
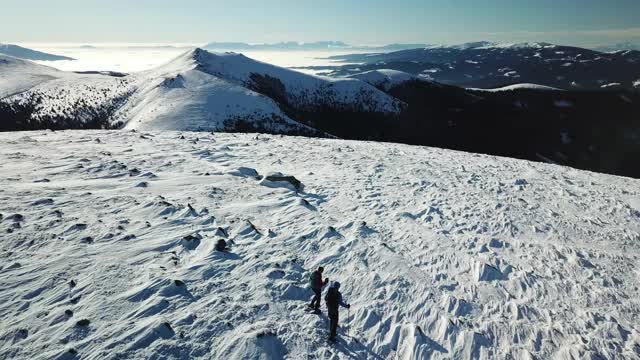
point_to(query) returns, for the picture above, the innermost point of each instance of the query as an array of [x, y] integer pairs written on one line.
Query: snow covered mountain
[[35, 96], [202, 91], [298, 90], [519, 87], [29, 54], [182, 95], [17, 75], [623, 46], [197, 91], [492, 65], [107, 250], [385, 78]]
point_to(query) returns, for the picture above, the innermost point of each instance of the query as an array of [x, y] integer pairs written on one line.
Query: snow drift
[[442, 254]]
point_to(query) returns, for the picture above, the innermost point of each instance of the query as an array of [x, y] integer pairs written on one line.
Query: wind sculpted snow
[[107, 250]]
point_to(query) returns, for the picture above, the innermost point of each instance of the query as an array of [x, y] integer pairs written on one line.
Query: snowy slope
[[384, 78], [198, 101], [173, 97], [181, 96], [107, 240], [57, 98], [196, 91], [18, 75], [301, 89], [519, 87], [29, 54]]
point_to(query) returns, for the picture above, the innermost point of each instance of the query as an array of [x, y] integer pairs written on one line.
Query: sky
[[360, 22]]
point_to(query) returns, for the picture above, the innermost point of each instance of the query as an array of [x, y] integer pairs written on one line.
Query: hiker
[[334, 300], [221, 245], [316, 283]]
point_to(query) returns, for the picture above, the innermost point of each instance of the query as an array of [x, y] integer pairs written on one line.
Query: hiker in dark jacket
[[316, 285], [334, 300]]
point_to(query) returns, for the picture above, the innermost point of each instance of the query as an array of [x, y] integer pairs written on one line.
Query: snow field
[[107, 250]]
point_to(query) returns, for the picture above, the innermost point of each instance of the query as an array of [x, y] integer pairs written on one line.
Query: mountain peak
[[205, 57], [201, 59]]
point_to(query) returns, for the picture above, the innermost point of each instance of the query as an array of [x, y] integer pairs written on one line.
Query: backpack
[[312, 280], [332, 298]]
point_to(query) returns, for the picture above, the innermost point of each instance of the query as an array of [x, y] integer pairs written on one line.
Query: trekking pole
[[348, 319]]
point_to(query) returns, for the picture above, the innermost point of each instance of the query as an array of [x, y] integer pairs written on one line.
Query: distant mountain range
[[492, 65], [623, 46], [310, 46], [28, 54], [203, 91], [290, 45]]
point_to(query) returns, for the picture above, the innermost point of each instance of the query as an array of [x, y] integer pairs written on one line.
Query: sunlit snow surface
[[107, 252], [519, 87]]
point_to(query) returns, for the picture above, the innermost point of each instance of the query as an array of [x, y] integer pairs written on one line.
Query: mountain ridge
[[493, 65], [232, 89], [29, 54], [203, 91]]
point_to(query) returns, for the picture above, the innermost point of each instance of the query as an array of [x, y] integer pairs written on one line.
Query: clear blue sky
[[356, 21]]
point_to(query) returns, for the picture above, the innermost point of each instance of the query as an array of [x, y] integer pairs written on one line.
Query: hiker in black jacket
[[334, 301], [317, 284]]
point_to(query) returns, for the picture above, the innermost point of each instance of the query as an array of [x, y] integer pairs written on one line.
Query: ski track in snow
[[107, 250]]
